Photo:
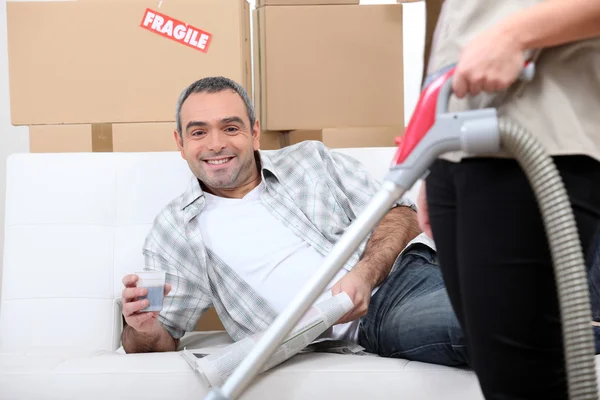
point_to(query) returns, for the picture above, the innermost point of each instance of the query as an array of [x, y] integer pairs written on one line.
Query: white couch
[[75, 224]]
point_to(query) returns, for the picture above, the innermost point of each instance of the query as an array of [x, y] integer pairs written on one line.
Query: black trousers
[[498, 272]]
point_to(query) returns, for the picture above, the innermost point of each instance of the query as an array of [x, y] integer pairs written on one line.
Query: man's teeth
[[217, 162]]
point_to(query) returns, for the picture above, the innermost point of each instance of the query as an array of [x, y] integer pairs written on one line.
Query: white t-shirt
[[272, 259]]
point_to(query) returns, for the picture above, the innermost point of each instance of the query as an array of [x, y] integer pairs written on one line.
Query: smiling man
[[253, 226]]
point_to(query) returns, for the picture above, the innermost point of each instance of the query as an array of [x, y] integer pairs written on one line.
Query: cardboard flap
[[102, 138]]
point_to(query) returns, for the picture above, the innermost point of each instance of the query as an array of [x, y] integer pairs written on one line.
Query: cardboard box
[[99, 61], [60, 138], [260, 3], [271, 140], [323, 66], [336, 138], [102, 137], [144, 137], [210, 321]]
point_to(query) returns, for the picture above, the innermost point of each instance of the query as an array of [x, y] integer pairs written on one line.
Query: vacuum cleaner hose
[[567, 257]]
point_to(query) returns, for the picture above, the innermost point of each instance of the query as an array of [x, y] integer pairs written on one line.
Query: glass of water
[[154, 282]]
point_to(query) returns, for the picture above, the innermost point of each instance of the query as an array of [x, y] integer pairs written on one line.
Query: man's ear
[[256, 135], [179, 141]]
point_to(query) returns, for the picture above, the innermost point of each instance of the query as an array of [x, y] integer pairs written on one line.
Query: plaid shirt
[[313, 191]]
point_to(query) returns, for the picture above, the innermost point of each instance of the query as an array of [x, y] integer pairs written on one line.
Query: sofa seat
[[75, 225], [115, 375]]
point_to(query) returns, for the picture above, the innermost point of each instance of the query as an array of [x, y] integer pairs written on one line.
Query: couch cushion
[[75, 225], [315, 376], [109, 375]]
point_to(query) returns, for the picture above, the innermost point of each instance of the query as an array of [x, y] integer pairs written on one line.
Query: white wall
[[16, 139], [12, 139], [414, 46]]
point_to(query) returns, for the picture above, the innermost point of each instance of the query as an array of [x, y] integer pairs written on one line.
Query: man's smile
[[218, 161]]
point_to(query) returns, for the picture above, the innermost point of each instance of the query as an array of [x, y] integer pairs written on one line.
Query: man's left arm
[[397, 228], [394, 232]]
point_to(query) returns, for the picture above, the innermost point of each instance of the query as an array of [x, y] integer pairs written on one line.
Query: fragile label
[[176, 30]]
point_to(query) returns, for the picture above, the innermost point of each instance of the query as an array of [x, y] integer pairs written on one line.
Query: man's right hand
[[145, 322]]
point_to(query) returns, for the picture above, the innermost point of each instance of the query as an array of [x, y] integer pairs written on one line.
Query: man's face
[[218, 142]]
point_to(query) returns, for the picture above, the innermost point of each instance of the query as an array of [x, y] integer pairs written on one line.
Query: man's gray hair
[[215, 84]]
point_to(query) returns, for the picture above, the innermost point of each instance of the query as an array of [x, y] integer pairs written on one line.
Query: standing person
[[481, 211], [594, 285]]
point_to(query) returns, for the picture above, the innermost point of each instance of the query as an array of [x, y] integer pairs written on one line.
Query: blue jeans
[[411, 317]]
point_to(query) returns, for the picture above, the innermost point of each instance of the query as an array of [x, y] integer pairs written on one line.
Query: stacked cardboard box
[[330, 70], [349, 137], [157, 136], [105, 75]]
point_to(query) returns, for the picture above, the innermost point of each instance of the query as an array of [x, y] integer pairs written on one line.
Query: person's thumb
[[336, 289], [424, 223], [428, 230], [423, 211], [167, 288], [460, 84]]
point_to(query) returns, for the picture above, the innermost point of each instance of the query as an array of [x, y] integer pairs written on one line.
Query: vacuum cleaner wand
[[431, 132]]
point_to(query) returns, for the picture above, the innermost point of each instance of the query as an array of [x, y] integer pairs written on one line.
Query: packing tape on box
[[102, 138]]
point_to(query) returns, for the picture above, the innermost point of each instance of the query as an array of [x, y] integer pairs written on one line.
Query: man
[[254, 225]]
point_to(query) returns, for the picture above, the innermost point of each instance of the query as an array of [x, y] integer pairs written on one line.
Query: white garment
[[273, 260]]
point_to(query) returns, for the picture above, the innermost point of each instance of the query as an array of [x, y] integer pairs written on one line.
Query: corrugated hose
[[567, 256]]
